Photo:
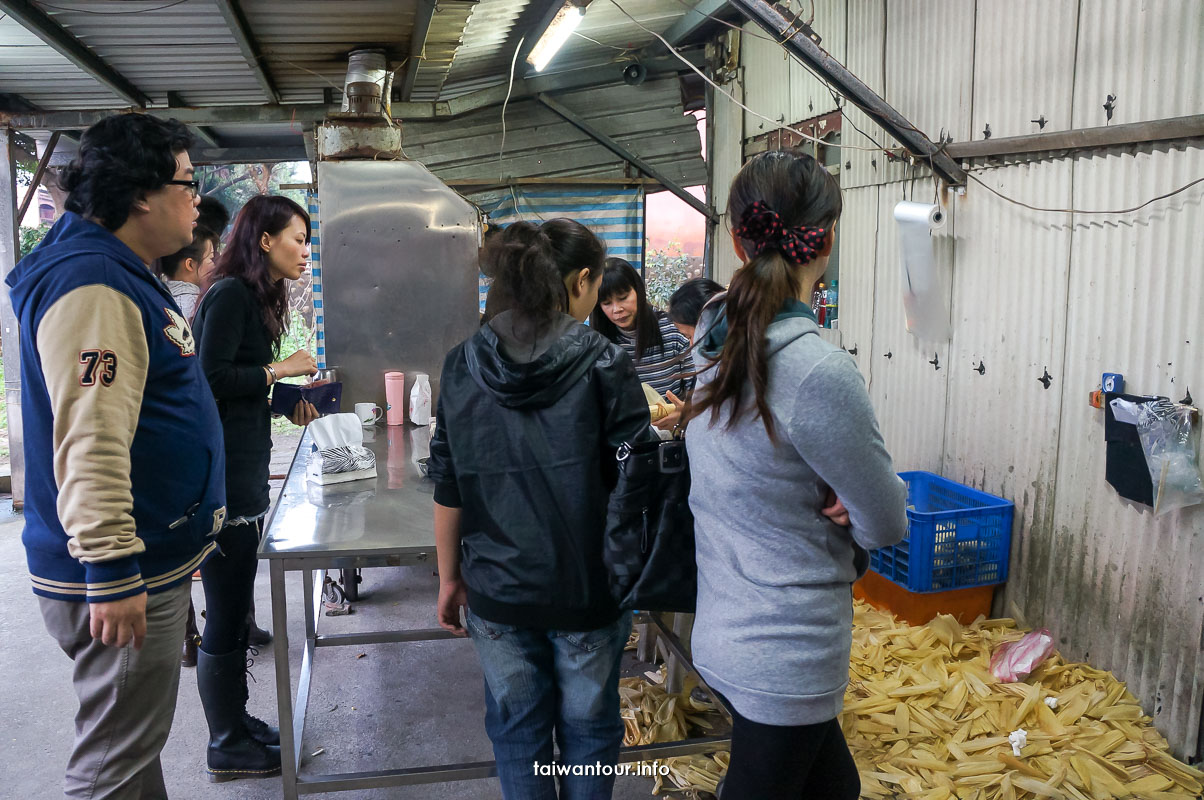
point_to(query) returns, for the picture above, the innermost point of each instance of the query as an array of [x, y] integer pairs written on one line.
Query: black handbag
[[649, 540]]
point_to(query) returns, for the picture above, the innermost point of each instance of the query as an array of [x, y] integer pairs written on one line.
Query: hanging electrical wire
[[509, 91], [1002, 196], [878, 148], [728, 94], [113, 13]]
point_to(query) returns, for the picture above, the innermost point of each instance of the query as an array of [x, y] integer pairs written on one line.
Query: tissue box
[[315, 474], [338, 453]]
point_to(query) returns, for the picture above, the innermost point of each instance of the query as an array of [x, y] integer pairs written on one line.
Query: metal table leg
[[284, 683]]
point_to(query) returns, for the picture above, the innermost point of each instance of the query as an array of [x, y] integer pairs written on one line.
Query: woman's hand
[[453, 595], [670, 420], [835, 510], [303, 414], [297, 365]]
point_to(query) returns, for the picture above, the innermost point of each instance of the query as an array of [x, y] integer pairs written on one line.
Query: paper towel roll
[[924, 290]]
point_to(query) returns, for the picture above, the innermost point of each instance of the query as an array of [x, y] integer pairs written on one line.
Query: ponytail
[[529, 263], [757, 293], [786, 202]]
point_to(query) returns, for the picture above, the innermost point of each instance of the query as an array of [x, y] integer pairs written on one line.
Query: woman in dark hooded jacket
[[531, 411]]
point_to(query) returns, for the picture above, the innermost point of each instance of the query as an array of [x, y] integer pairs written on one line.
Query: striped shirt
[[660, 367]]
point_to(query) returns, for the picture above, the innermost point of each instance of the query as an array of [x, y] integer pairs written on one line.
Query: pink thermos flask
[[395, 398]]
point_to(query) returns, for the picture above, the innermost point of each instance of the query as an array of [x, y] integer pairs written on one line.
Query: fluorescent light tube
[[557, 33]]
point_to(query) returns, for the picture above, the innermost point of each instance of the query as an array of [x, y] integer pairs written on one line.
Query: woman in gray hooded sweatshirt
[[782, 427]]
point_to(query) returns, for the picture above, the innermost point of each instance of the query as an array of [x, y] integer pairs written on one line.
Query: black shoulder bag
[[649, 541]]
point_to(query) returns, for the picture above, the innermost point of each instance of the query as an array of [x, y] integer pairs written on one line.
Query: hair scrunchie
[[763, 227]]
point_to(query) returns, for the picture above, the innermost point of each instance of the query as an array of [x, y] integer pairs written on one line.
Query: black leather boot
[[256, 636], [268, 734], [233, 752]]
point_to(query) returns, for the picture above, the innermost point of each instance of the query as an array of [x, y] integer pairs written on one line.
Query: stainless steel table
[[381, 522]]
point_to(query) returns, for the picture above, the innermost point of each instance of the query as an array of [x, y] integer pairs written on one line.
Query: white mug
[[368, 413]]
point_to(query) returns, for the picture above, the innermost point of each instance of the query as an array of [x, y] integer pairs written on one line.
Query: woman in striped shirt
[[623, 315]]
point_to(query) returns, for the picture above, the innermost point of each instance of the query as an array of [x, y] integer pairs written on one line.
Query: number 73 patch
[[99, 366]]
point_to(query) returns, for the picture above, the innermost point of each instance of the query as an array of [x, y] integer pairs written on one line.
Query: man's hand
[[119, 622], [835, 510], [452, 597]]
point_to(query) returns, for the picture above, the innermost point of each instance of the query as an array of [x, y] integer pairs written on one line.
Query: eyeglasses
[[194, 187]]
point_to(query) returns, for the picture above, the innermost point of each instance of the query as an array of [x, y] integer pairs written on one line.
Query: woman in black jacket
[[238, 327], [531, 411]]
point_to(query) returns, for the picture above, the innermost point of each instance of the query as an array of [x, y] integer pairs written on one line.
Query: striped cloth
[[614, 214], [661, 368]]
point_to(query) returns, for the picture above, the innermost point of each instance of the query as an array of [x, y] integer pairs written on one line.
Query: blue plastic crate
[[957, 537]]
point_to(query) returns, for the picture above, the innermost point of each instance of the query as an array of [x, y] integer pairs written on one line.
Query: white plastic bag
[[1170, 453], [420, 400]]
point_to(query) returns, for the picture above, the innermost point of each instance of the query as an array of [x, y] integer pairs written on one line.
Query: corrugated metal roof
[[442, 42], [30, 68], [306, 42], [185, 48], [483, 53], [647, 119]]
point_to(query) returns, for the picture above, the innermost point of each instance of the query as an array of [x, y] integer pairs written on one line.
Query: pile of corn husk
[[926, 720], [650, 715]]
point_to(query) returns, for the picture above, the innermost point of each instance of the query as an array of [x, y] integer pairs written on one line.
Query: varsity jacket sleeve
[[94, 355], [832, 425], [225, 321]]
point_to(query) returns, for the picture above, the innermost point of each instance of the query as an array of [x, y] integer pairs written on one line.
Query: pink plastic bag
[[1015, 661]]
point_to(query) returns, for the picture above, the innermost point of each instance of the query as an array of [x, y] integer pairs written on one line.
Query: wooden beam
[[236, 21], [34, 20], [1161, 130], [422, 28], [38, 174]]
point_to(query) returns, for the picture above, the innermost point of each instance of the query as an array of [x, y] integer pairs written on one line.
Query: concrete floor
[[400, 705]]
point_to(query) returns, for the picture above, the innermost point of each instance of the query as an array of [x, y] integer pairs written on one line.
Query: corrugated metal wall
[[648, 119], [1036, 293]]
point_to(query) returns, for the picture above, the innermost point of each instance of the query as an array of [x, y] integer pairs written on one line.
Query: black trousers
[[229, 580], [788, 762]]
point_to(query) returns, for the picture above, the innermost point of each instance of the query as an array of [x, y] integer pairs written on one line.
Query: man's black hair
[[121, 158]]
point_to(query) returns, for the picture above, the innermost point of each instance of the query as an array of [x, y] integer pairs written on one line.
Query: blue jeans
[[540, 683]]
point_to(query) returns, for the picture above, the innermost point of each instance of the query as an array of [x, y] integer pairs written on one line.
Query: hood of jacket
[[797, 314], [520, 373], [73, 236]]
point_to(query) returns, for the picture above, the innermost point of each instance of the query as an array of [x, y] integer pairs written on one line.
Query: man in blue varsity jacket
[[123, 447]]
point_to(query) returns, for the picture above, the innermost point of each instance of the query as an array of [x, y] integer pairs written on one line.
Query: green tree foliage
[[664, 271], [31, 236]]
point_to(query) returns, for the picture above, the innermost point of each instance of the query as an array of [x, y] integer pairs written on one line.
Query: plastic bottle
[[822, 311], [833, 303], [420, 400], [395, 398]]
